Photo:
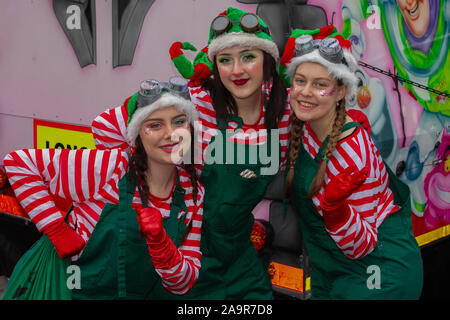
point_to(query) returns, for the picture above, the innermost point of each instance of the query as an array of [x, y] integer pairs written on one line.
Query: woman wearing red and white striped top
[[252, 134], [355, 215], [243, 106], [108, 188]]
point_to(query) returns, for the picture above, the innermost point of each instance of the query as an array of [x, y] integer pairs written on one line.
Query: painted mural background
[[408, 40]]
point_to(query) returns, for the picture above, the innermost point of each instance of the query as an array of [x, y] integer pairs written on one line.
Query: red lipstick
[[169, 148], [240, 82]]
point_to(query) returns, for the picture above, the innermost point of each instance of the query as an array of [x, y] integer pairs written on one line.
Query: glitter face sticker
[[148, 130], [324, 93]]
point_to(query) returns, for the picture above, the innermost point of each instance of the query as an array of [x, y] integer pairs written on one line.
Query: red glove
[[334, 205], [163, 252], [361, 118], [150, 223], [65, 240]]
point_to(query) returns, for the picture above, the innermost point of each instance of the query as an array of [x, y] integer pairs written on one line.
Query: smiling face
[[416, 14], [165, 135], [314, 94], [241, 71]]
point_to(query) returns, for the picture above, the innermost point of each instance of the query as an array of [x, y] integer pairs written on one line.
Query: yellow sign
[[54, 135]]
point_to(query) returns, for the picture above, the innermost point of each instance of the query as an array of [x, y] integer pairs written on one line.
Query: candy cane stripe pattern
[[372, 202], [90, 179]]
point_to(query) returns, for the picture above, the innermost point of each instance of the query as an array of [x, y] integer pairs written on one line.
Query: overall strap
[[178, 195], [350, 125], [223, 124], [320, 156], [126, 193]]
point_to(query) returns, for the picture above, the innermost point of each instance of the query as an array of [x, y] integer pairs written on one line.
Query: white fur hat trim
[[337, 70], [229, 40], [166, 100]]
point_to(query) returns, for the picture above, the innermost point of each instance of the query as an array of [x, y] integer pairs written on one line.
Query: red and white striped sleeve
[[91, 178], [284, 127], [206, 126], [82, 176], [110, 128], [180, 279], [356, 234]]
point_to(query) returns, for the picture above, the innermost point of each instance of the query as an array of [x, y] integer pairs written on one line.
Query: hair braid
[[138, 162], [295, 143], [190, 168]]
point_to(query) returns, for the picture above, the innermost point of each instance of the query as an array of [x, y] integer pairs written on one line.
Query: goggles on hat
[[152, 90], [249, 22], [329, 48]]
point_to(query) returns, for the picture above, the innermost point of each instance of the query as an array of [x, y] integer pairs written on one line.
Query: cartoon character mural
[[437, 187], [402, 47], [417, 33]]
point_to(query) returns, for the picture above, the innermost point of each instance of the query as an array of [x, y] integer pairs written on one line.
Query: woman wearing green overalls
[[354, 213], [238, 108], [140, 214]]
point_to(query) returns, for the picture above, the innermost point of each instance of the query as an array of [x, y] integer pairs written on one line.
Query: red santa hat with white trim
[[325, 46]]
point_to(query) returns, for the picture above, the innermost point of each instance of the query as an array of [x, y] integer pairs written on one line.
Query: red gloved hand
[[336, 212], [162, 250], [361, 118], [342, 186], [65, 240], [150, 223]]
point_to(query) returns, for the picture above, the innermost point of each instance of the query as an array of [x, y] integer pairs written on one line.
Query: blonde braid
[[295, 143], [339, 122]]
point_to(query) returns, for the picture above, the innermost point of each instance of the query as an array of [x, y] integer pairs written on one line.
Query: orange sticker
[[286, 276]]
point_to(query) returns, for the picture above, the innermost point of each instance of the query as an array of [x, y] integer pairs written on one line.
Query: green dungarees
[[116, 263], [392, 271], [231, 268]]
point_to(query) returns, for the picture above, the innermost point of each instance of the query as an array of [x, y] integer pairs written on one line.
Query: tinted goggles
[[329, 48], [152, 90], [249, 22]]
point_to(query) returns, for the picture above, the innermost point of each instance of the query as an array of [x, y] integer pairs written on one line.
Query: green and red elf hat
[[343, 70], [199, 70], [235, 35]]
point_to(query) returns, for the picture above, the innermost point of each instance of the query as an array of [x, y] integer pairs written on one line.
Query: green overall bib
[[392, 271], [231, 268], [116, 263]]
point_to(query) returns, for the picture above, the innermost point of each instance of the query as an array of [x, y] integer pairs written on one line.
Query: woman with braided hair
[[242, 102], [135, 226], [354, 213]]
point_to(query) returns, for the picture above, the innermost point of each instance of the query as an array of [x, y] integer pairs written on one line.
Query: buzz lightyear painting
[[417, 34]]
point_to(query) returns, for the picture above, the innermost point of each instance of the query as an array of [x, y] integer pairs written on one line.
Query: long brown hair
[[295, 143], [224, 103]]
